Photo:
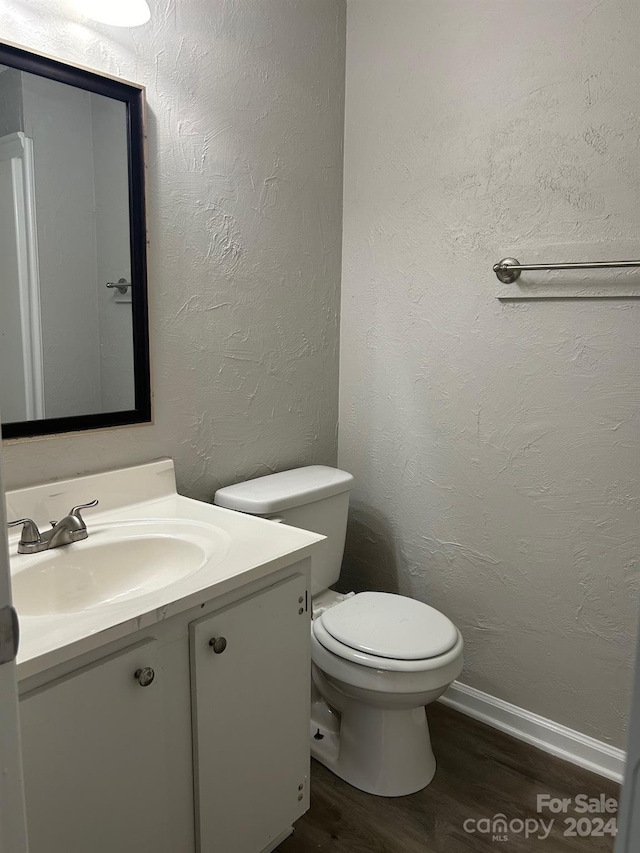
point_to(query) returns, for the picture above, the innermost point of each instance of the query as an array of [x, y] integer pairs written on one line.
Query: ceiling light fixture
[[117, 13]]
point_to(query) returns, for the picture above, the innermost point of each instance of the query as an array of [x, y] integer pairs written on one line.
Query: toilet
[[377, 658]]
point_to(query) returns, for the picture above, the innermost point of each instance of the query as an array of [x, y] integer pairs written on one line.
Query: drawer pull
[[218, 644], [145, 676]]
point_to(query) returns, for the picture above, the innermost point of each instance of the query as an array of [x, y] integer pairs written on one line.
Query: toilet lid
[[390, 626]]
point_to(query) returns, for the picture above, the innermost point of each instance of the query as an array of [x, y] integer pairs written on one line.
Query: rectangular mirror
[[74, 350]]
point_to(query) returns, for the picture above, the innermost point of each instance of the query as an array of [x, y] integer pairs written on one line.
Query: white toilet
[[377, 658]]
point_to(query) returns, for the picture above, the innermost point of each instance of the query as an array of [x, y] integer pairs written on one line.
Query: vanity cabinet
[[251, 719], [210, 756], [94, 759]]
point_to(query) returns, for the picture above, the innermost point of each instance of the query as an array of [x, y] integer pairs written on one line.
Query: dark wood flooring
[[481, 772]]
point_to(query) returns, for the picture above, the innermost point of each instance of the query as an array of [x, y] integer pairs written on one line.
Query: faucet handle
[[75, 512], [30, 532]]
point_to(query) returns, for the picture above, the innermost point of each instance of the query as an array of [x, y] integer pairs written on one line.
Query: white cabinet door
[[94, 759], [13, 831], [251, 719]]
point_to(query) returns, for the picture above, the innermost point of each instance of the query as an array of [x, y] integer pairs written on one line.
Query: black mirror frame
[[133, 98]]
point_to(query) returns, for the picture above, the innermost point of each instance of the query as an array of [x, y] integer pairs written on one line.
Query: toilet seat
[[352, 656], [438, 644], [390, 626]]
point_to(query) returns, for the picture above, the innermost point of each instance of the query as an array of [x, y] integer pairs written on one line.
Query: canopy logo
[[592, 817], [500, 828]]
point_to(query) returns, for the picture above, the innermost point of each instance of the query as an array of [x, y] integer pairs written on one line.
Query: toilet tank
[[314, 498]]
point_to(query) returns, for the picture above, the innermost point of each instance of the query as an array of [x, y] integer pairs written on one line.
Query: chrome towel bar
[[508, 269]]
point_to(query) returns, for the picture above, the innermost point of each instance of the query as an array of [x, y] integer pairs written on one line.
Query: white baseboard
[[544, 734]]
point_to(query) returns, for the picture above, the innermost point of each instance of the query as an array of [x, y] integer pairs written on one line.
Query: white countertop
[[254, 549]]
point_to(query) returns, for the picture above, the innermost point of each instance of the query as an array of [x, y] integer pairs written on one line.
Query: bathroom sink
[[150, 554], [117, 562]]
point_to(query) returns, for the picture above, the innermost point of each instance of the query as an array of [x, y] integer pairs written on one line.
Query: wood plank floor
[[481, 772]]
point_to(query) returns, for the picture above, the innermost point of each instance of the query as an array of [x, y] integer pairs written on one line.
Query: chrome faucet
[[69, 529]]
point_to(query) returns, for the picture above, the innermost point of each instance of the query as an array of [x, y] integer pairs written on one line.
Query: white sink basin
[[117, 562]]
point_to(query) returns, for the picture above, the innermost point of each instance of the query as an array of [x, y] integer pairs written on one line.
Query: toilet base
[[383, 752]]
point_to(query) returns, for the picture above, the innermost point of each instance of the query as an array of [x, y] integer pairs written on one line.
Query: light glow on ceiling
[[117, 13]]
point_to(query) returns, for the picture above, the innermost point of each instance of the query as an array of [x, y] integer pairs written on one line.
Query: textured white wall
[[245, 187], [496, 447]]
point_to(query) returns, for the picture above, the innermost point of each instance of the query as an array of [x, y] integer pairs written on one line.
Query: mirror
[[73, 310]]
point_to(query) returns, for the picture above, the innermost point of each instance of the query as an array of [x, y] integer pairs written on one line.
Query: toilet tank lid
[[277, 492]]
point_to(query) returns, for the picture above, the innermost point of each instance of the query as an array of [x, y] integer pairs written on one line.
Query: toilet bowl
[[368, 719], [377, 659]]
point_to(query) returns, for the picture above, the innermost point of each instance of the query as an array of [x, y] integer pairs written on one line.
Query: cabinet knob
[[145, 676], [218, 644]]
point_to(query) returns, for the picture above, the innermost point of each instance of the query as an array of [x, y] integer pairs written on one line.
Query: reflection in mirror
[[66, 345]]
